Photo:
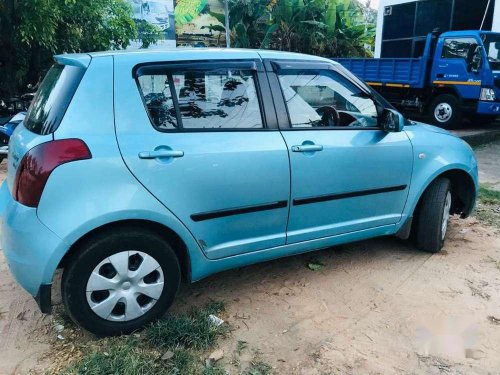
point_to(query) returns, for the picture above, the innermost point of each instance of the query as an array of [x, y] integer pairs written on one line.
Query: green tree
[[32, 31], [249, 20], [321, 27], [147, 32]]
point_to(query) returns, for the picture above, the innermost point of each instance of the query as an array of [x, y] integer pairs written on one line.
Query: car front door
[[347, 174], [199, 136]]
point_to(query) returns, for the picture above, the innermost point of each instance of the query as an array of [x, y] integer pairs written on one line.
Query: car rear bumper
[[488, 108], [28, 246]]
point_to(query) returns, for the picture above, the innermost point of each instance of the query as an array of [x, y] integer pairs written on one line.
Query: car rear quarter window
[[53, 98], [157, 95], [222, 98]]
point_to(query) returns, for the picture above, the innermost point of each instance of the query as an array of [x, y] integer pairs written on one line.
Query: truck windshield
[[492, 46]]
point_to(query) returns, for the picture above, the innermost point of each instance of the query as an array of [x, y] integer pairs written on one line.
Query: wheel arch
[[463, 190], [446, 90], [178, 245]]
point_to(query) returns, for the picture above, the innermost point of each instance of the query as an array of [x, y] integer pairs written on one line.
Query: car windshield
[[492, 46]]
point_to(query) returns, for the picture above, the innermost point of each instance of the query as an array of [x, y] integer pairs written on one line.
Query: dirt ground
[[374, 307]]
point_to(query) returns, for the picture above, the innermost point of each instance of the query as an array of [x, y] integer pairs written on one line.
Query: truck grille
[[497, 82]]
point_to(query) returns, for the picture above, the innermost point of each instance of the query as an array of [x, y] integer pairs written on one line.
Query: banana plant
[[321, 27]]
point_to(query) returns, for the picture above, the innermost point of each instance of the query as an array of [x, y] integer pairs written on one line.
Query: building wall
[[496, 17], [384, 3]]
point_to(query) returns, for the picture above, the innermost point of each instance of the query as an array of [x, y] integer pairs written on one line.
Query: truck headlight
[[487, 95]]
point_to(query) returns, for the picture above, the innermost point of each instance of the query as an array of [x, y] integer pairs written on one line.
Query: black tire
[[428, 233], [95, 250], [448, 101]]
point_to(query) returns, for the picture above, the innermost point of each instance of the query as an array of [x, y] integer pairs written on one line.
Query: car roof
[[185, 54]]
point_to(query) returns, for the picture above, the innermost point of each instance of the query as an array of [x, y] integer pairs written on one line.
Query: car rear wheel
[[433, 216], [120, 281], [445, 111]]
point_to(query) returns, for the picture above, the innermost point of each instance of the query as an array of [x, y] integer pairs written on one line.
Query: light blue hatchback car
[[135, 170]]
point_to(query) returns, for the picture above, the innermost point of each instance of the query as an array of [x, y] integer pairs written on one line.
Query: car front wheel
[[120, 280], [433, 216]]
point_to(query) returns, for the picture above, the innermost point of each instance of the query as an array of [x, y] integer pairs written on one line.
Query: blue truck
[[457, 76]]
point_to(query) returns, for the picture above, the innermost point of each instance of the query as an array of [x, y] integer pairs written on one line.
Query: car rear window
[[52, 98]]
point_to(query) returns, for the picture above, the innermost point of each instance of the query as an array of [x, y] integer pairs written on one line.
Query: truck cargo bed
[[398, 72]]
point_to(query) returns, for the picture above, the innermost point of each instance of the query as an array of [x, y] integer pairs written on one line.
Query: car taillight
[[39, 162]]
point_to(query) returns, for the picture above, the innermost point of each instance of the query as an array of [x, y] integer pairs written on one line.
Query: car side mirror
[[392, 121]]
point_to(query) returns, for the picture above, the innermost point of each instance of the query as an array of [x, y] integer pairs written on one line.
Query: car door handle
[[307, 148], [161, 154]]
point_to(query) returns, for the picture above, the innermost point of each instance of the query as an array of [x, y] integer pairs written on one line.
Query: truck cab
[[467, 64], [458, 75]]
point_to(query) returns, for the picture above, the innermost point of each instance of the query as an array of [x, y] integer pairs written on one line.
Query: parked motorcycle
[[11, 106], [6, 131]]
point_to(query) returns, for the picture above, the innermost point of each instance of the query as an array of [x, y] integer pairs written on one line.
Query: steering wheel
[[329, 115]]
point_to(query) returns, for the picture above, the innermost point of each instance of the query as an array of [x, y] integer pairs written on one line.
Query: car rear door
[[348, 176], [202, 137]]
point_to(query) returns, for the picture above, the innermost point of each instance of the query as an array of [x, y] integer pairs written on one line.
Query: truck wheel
[[120, 280], [433, 216], [445, 111]]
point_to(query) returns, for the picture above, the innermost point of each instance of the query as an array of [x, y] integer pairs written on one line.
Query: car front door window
[[324, 99]]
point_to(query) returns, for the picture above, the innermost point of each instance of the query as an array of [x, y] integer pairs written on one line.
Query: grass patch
[[488, 196], [176, 345], [259, 368], [193, 330], [118, 356], [127, 356], [488, 207], [186, 336]]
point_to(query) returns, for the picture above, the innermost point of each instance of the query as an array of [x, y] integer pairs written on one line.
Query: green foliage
[[193, 330], [32, 31], [248, 22], [321, 27], [147, 32]]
